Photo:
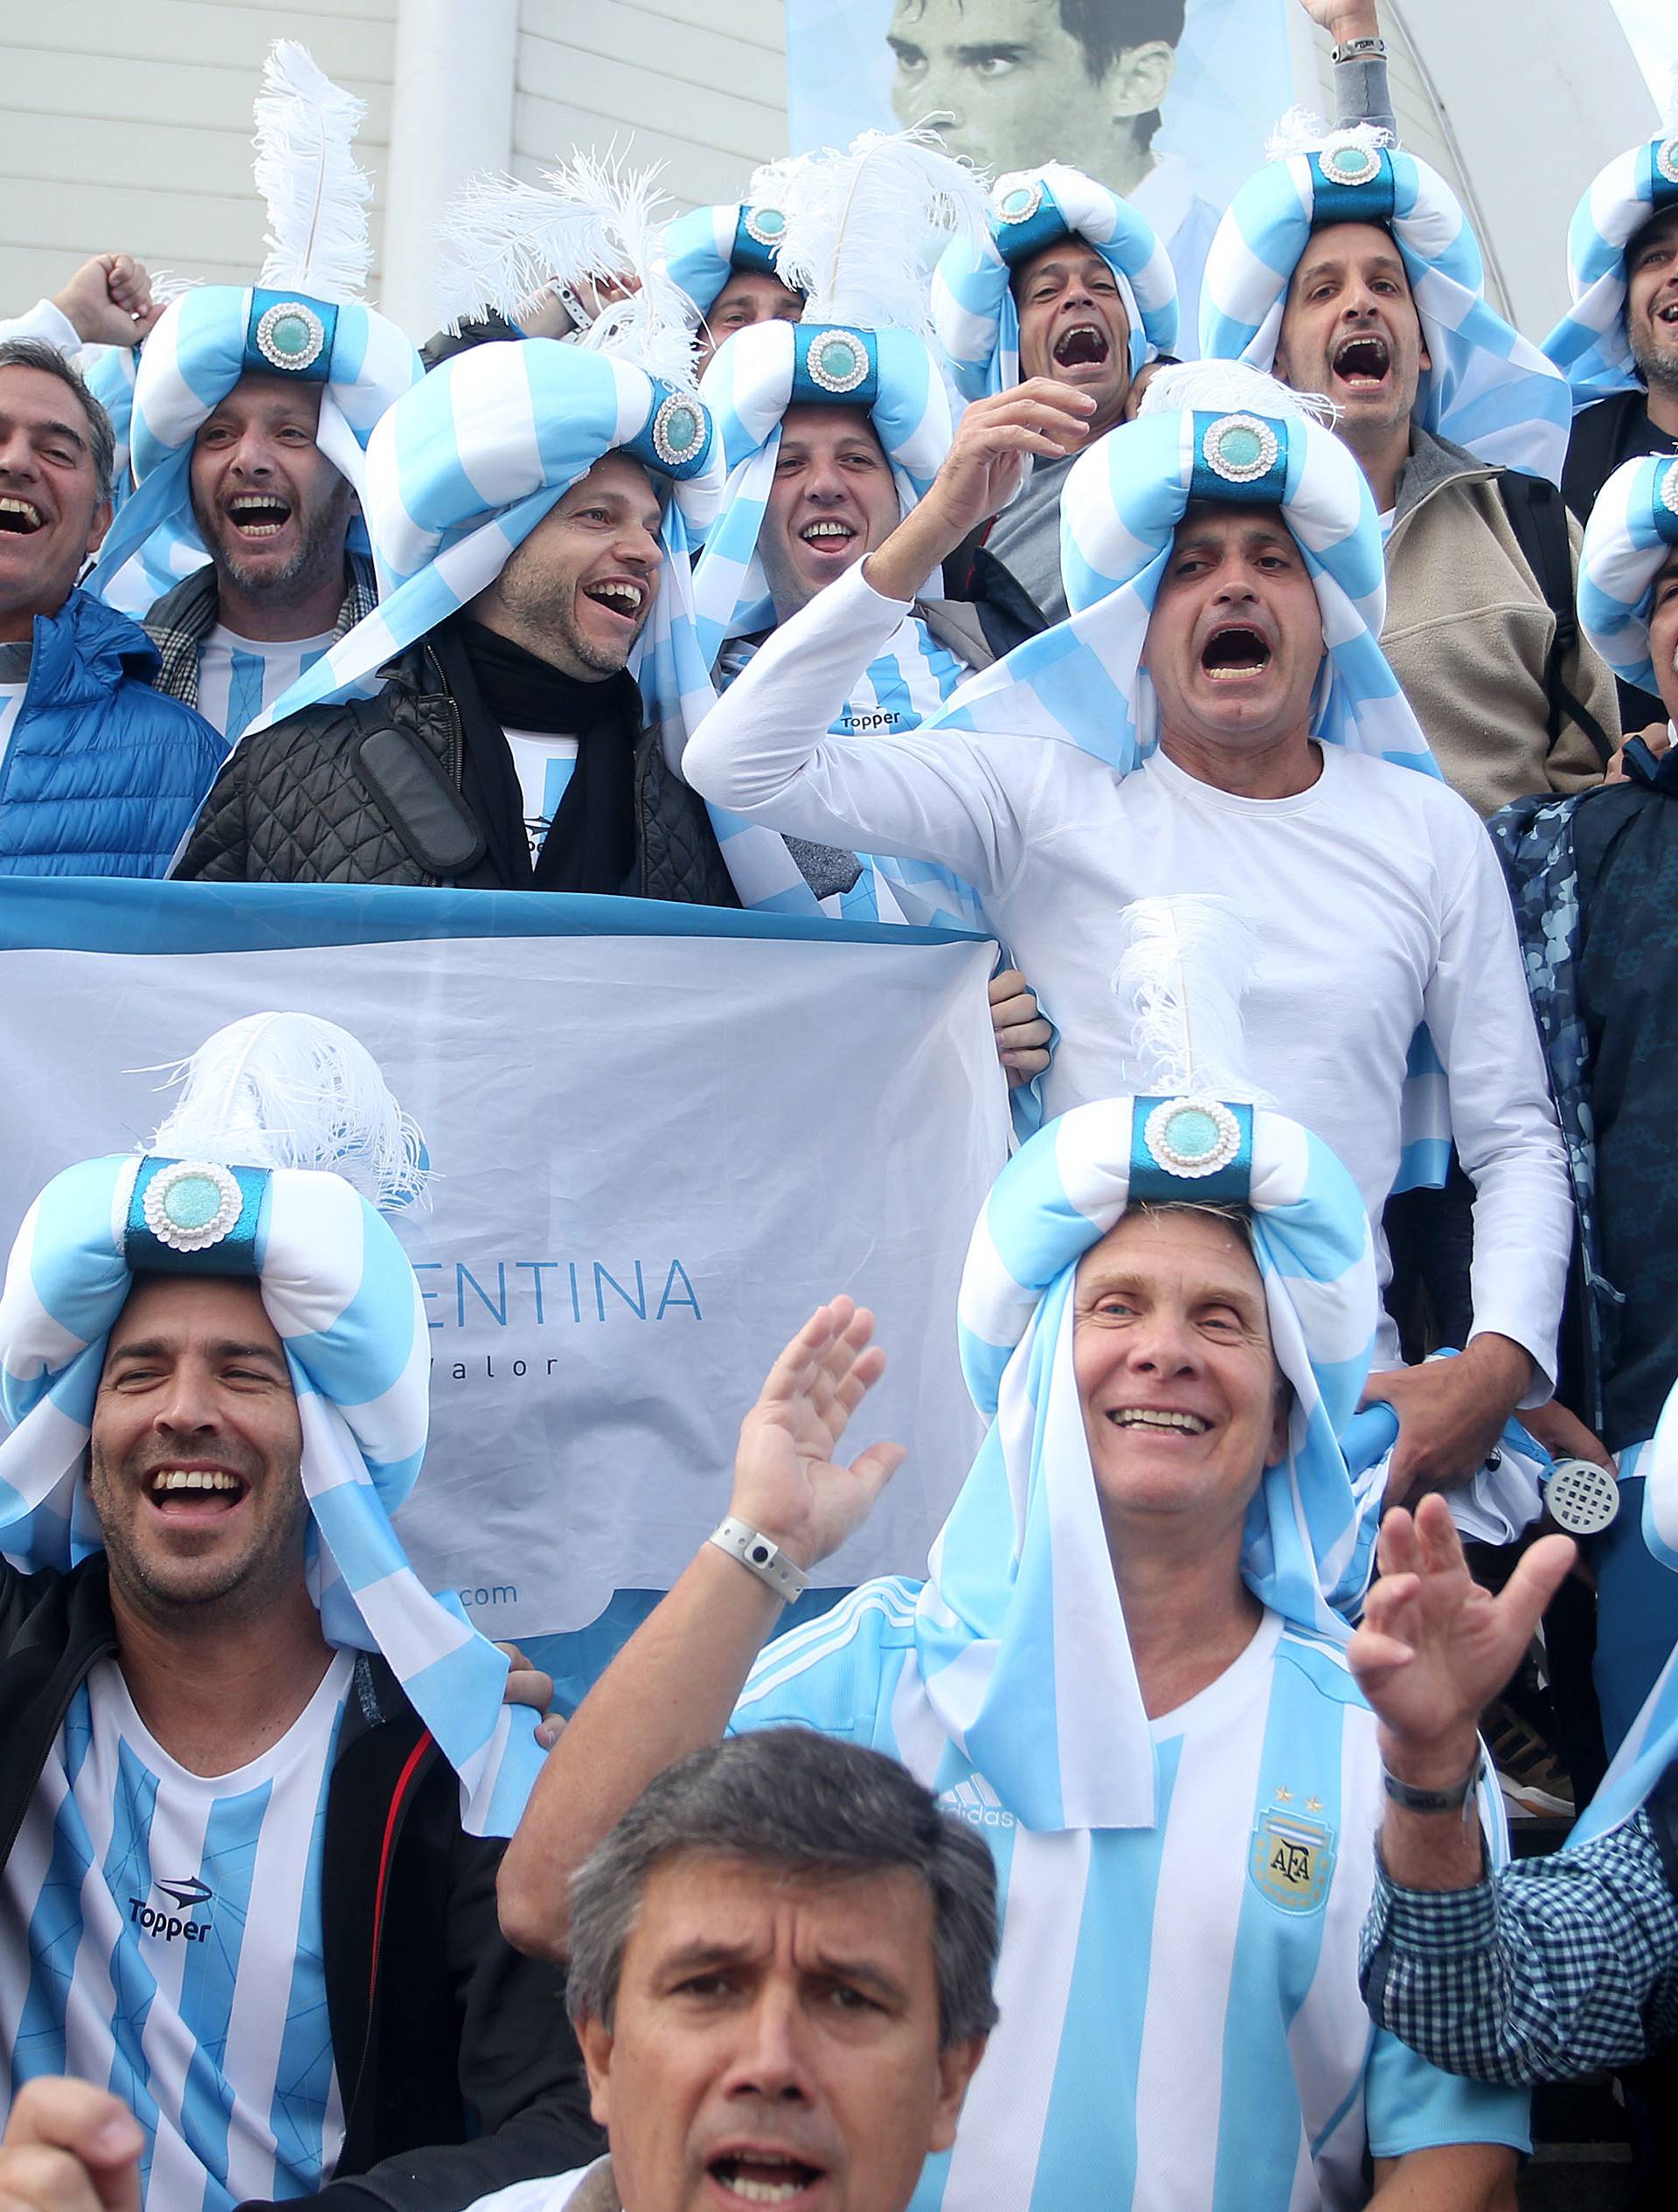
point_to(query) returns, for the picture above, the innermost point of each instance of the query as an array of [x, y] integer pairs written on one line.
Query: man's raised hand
[[979, 476], [70, 2147], [1434, 1648], [987, 458], [1344, 19], [108, 300], [786, 1481]]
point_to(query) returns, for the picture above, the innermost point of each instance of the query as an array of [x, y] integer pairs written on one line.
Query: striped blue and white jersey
[[240, 676], [909, 679], [1181, 2023], [159, 1935]]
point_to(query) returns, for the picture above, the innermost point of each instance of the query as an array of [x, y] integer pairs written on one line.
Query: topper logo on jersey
[[1293, 1858], [174, 1926]]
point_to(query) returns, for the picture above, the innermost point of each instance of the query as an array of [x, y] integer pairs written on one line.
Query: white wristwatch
[[760, 1556]]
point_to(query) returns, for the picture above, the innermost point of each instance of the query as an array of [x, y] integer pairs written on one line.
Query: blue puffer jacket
[[102, 776]]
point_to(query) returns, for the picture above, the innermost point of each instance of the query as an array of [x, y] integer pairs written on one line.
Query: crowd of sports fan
[[1146, 1852]]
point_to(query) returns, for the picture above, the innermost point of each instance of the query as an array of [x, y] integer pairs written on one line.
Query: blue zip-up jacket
[[102, 776]]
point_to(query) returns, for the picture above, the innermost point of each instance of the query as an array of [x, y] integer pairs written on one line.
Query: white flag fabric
[[658, 1136]]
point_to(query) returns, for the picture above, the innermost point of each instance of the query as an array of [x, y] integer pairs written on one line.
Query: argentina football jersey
[[239, 677], [1181, 2023], [160, 1936]]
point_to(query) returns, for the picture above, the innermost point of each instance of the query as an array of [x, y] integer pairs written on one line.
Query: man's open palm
[[787, 1481], [1434, 1648]]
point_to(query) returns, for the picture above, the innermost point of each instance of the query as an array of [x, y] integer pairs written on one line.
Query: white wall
[[126, 124], [698, 84]]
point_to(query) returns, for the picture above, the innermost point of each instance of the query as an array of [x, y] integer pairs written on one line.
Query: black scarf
[[499, 686]]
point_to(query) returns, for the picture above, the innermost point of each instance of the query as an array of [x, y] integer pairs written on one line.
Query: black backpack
[[1539, 520]]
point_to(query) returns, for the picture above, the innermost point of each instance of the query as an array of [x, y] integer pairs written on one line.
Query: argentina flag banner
[[658, 1136]]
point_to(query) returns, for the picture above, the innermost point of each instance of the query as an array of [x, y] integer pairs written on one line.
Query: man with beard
[[254, 1771], [281, 584], [251, 409], [505, 748]]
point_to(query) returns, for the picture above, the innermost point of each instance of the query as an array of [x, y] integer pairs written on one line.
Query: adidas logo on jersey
[[173, 1926], [978, 1804]]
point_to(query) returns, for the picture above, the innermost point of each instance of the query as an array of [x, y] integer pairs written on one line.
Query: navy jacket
[[102, 776]]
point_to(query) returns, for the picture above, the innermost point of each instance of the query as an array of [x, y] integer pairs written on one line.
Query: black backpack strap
[[1539, 520], [414, 792]]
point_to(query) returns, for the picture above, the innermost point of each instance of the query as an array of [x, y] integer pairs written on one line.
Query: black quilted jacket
[[369, 792]]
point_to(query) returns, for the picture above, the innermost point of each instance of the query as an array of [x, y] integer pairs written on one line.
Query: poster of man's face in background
[[1169, 101], [1025, 81]]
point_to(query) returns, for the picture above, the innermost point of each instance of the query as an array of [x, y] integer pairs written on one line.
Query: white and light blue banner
[[659, 1135]]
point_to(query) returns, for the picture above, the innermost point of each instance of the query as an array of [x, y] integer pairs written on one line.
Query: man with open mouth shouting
[[781, 1971], [250, 411], [1349, 268], [1071, 285], [253, 1771], [1216, 716]]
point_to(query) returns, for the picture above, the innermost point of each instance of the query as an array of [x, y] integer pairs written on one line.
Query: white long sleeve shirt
[[1375, 896]]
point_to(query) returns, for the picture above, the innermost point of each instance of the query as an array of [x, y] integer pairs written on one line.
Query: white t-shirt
[[545, 764], [240, 676], [160, 1934], [548, 2194], [1377, 899]]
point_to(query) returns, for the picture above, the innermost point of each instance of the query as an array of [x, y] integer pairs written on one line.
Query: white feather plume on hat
[[506, 243], [1183, 970], [864, 225], [293, 1091], [316, 190]]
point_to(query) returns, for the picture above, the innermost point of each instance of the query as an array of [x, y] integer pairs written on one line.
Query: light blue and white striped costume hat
[[1216, 431], [465, 465], [1023, 1655], [977, 320], [302, 319], [173, 549], [1489, 389], [1628, 540], [706, 246], [1591, 344], [234, 1190]]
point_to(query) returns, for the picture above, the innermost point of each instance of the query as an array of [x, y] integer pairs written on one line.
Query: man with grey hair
[[780, 1977], [100, 775]]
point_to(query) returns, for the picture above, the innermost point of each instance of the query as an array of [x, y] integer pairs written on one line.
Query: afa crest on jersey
[[1293, 1858]]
